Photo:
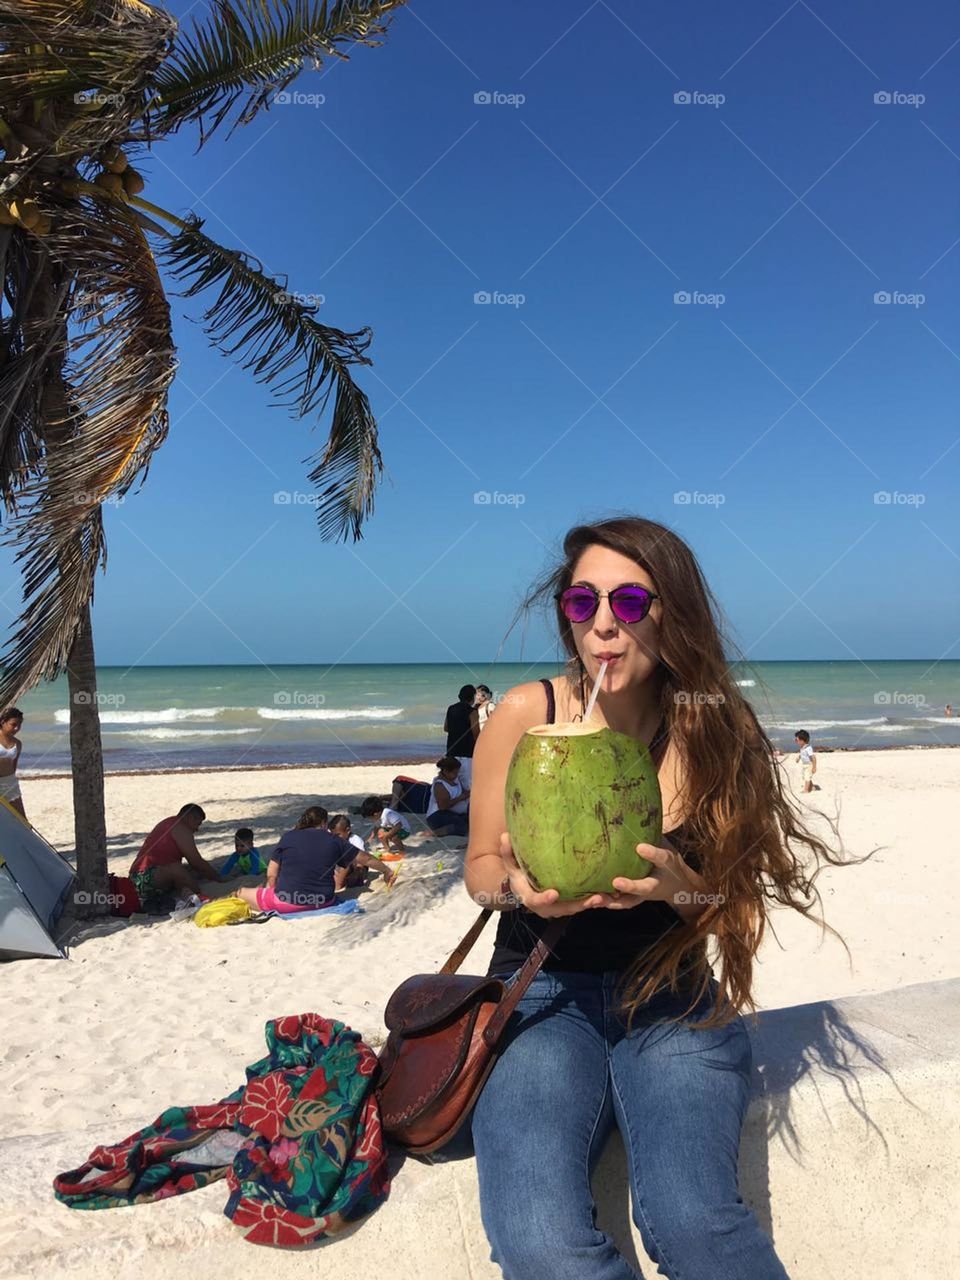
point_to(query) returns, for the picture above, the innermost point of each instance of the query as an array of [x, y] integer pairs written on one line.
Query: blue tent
[[35, 883]]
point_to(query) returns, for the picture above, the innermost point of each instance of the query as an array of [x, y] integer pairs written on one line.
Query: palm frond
[[274, 335], [89, 63], [248, 50], [89, 432]]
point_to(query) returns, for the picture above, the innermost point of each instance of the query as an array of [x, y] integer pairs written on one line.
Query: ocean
[[159, 718]]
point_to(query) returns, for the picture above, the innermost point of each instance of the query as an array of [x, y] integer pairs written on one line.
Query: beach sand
[[153, 1013]]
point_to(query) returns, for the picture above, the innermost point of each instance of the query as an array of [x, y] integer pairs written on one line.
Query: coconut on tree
[[87, 89]]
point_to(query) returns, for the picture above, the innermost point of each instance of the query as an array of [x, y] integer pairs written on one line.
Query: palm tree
[[86, 348]]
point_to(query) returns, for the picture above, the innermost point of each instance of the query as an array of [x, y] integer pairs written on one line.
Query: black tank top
[[598, 940]]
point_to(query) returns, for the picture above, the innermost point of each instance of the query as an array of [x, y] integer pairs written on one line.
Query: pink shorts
[[267, 900]]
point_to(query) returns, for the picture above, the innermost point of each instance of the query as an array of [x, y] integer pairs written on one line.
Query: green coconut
[[579, 799]]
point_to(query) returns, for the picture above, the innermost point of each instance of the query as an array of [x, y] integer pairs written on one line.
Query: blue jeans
[[568, 1073]]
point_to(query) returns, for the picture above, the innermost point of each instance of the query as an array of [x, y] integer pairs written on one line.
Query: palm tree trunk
[[86, 758], [86, 750]]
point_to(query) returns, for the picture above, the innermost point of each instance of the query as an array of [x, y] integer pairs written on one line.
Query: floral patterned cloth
[[300, 1145]]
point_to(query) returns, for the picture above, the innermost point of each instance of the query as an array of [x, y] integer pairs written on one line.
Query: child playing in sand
[[354, 876], [806, 759], [389, 826], [244, 856]]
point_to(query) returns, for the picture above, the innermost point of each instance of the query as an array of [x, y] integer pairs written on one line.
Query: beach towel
[[349, 907], [300, 1144]]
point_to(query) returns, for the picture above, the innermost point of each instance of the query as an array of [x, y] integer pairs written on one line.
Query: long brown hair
[[738, 819]]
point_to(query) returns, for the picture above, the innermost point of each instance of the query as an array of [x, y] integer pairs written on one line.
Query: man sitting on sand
[[157, 869]]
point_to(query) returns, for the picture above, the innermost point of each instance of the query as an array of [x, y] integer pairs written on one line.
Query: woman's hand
[[547, 903], [670, 880]]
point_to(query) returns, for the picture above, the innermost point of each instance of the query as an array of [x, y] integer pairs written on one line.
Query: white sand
[[159, 1013]]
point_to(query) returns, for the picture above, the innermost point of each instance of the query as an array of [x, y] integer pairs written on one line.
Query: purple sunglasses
[[630, 603]]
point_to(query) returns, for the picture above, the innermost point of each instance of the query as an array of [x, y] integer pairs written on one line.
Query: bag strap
[[460, 952], [531, 967], [525, 974], [535, 960]]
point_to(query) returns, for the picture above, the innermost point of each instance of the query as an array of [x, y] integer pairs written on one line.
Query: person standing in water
[[11, 722], [485, 705], [461, 724], [625, 1025]]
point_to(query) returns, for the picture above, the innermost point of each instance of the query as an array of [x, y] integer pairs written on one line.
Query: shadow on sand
[[788, 1045]]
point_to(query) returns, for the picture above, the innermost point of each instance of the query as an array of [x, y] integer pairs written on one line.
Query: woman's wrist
[[691, 901], [499, 899]]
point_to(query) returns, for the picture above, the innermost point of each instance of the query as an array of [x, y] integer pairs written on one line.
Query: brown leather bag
[[445, 1030]]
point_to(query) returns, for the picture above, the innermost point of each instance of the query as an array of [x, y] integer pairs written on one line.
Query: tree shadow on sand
[[431, 870]]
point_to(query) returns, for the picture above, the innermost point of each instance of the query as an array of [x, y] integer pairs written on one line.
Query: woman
[[305, 866], [11, 722], [447, 811], [625, 1024]]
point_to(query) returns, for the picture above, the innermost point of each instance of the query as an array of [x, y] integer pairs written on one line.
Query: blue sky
[[781, 410]]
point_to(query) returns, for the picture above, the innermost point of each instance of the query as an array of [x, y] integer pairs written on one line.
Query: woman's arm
[[442, 796], [273, 870]]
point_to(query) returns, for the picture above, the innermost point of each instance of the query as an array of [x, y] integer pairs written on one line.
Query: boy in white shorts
[[806, 759]]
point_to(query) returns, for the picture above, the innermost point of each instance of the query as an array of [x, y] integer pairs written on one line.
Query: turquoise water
[[188, 717]]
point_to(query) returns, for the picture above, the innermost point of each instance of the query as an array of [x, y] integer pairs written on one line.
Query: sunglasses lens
[[578, 604], [630, 604]]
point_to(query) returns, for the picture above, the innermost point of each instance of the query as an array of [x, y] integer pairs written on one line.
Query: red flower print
[[269, 1224], [220, 1115], [315, 1025], [366, 1061], [288, 1028], [265, 1104], [315, 1086], [370, 1149]]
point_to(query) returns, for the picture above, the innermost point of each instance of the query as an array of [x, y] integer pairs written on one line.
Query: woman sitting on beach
[[303, 868], [626, 1024], [11, 722], [449, 798]]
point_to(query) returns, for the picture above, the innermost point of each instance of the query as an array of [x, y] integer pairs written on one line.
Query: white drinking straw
[[596, 691]]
